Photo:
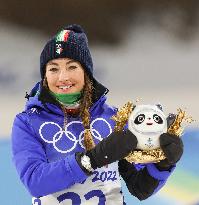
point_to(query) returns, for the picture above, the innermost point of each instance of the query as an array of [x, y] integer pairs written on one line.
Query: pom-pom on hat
[[71, 42]]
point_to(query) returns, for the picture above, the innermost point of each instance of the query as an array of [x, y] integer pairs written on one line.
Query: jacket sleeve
[[143, 180], [38, 175]]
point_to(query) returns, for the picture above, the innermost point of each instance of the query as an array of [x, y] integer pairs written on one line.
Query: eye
[[72, 67], [139, 119], [157, 119], [53, 69]]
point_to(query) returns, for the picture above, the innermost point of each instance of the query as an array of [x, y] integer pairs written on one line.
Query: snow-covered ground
[[149, 64]]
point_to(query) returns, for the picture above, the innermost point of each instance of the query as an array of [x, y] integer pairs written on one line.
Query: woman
[[64, 147]]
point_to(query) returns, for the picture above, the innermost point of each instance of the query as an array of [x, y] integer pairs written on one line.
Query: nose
[[64, 75], [149, 118]]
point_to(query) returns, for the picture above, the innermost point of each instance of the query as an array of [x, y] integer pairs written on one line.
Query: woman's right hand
[[115, 147]]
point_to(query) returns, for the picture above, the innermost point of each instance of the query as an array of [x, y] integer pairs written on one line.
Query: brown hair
[[85, 105]]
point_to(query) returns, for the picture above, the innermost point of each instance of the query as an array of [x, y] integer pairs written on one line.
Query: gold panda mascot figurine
[[147, 123]]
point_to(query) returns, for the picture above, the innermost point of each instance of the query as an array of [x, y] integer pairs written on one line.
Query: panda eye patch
[[157, 119], [139, 119]]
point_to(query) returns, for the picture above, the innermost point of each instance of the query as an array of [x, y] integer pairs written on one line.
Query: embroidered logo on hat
[[62, 36]]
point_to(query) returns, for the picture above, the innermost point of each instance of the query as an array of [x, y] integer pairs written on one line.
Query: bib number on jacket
[[101, 188]]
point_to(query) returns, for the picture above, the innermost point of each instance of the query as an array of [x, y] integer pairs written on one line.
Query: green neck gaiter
[[67, 99]]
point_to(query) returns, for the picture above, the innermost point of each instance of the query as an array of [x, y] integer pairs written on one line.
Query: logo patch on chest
[[65, 141]]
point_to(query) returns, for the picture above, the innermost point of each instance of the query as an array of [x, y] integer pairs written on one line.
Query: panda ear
[[159, 106], [133, 107]]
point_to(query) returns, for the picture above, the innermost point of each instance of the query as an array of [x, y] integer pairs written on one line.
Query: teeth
[[65, 87]]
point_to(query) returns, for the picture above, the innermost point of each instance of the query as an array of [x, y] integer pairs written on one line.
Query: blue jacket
[[44, 150]]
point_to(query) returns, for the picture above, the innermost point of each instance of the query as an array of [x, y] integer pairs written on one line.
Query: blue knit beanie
[[71, 42]]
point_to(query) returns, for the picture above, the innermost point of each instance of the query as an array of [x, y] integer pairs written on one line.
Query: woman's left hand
[[172, 146]]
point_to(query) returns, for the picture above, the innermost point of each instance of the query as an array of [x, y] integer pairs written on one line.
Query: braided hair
[[85, 104]]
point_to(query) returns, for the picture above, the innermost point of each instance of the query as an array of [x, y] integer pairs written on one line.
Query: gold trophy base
[[146, 156]]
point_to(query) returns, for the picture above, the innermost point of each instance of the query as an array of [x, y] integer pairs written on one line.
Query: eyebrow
[[52, 63], [71, 61]]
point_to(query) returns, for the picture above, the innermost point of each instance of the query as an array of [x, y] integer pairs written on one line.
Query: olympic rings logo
[[67, 137]]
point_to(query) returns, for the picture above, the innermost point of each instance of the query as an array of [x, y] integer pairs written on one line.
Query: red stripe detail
[[66, 36]]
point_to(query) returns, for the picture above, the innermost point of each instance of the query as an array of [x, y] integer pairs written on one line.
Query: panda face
[[148, 121]]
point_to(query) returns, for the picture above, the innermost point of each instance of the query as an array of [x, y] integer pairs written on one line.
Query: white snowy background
[[150, 64]]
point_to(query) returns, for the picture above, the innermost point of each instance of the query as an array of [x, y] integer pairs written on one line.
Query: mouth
[[149, 123], [65, 88]]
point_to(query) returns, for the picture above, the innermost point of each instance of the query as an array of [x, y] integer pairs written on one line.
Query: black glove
[[172, 147], [170, 119], [115, 147]]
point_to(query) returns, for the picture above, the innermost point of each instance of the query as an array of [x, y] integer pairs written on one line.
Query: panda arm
[[142, 181]]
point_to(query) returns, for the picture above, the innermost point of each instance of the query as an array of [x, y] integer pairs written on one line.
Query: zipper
[[65, 119]]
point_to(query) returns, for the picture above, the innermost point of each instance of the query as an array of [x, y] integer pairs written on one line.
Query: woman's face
[[64, 75]]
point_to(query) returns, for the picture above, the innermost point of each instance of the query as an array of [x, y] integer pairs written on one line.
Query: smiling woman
[[64, 147]]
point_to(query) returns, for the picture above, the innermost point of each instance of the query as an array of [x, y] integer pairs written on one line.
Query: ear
[[133, 107], [159, 106]]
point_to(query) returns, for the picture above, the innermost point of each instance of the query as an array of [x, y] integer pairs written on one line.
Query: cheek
[[51, 80], [80, 79], [82, 82], [160, 127], [141, 127]]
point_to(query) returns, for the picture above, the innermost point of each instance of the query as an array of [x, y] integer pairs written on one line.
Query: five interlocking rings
[[61, 133]]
